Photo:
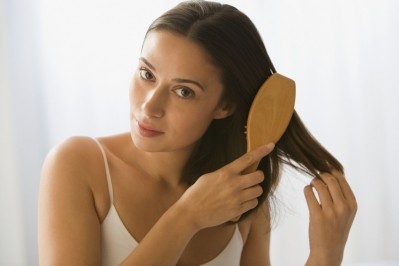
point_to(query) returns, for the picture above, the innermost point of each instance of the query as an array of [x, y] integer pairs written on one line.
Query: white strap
[[110, 190]]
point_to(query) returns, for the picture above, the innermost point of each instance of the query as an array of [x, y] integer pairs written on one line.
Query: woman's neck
[[166, 167]]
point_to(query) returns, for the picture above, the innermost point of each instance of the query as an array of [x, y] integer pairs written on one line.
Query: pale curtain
[[65, 70]]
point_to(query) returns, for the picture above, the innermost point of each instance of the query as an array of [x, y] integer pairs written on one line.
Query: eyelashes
[[185, 92], [146, 74], [182, 91]]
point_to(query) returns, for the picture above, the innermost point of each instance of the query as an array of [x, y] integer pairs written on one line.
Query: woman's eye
[[185, 92], [145, 74]]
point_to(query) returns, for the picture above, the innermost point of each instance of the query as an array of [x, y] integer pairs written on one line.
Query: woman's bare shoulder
[[74, 171], [70, 163], [81, 150], [79, 158], [76, 150]]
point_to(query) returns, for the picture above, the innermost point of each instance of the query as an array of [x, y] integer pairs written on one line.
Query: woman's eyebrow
[[147, 63], [179, 80]]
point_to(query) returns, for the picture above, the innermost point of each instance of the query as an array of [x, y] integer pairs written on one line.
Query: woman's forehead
[[168, 51]]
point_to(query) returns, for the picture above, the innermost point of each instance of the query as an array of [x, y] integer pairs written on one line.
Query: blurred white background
[[65, 68]]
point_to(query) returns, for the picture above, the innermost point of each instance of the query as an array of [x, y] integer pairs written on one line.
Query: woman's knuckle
[[224, 174], [343, 210], [331, 180], [317, 182], [318, 215], [330, 213], [248, 158], [326, 176]]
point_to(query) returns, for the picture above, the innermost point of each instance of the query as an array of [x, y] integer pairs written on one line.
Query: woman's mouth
[[147, 130]]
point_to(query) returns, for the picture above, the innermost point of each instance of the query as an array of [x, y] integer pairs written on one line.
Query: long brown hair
[[236, 48]]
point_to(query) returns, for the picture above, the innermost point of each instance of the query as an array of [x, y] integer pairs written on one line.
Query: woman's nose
[[155, 102]]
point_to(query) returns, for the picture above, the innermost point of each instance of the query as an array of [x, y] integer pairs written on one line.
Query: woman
[[165, 192]]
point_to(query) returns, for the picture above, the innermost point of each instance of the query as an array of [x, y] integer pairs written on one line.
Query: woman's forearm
[[166, 241]]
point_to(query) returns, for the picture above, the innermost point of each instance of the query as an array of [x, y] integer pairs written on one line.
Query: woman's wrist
[[184, 213]]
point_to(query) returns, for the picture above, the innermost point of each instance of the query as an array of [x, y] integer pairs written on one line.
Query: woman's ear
[[224, 110]]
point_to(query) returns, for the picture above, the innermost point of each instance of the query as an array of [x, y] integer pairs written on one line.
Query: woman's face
[[174, 95]]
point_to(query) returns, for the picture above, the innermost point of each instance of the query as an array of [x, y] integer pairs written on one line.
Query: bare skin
[[331, 219], [78, 240], [174, 95]]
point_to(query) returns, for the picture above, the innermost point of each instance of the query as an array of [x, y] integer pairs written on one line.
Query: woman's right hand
[[220, 196]]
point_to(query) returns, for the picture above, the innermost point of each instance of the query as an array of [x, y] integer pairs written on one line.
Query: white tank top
[[117, 243]]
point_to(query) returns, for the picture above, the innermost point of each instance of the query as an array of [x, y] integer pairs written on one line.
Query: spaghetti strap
[[109, 181]]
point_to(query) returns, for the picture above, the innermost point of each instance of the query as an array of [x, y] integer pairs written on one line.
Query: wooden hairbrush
[[269, 115]]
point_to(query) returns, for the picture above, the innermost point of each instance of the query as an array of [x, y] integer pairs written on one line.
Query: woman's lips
[[147, 131]]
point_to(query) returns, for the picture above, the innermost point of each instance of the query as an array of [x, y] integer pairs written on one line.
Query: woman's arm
[[69, 228], [331, 219], [256, 248]]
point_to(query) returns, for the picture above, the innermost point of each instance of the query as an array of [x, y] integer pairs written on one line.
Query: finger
[[313, 204], [250, 158], [333, 186], [248, 205], [346, 189], [323, 192], [251, 193], [252, 179]]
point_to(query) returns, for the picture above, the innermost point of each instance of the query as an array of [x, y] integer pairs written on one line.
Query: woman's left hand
[[330, 218]]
